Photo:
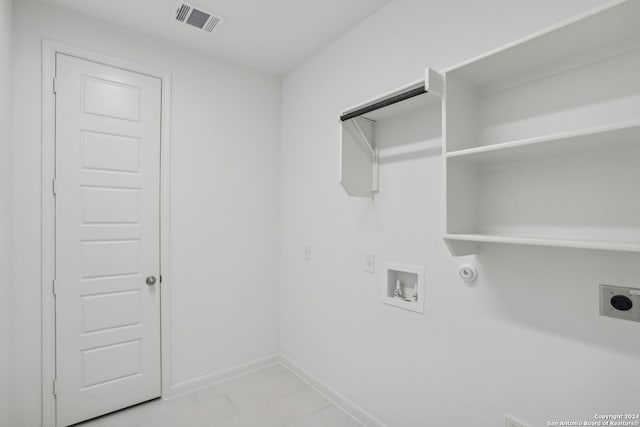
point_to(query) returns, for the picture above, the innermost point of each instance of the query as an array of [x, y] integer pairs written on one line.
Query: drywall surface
[[526, 339], [5, 211], [224, 190]]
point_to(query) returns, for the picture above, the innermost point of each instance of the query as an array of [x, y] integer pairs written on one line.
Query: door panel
[[110, 153], [107, 239]]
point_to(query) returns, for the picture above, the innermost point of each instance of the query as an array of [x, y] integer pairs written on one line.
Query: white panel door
[[107, 239]]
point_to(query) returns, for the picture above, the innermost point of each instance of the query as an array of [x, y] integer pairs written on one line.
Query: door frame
[[49, 50]]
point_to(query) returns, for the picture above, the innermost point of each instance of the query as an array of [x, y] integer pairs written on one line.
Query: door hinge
[[54, 286], [54, 187], [161, 278], [55, 387], [55, 85]]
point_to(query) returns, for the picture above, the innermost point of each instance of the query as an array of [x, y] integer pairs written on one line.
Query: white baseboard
[[208, 380], [330, 394]]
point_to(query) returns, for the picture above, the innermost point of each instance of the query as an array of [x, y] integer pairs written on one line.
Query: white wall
[[5, 211], [225, 215], [526, 339]]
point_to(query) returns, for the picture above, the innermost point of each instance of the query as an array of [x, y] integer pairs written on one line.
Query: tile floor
[[271, 397]]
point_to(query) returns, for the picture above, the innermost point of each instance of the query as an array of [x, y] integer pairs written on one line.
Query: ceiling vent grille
[[198, 18]]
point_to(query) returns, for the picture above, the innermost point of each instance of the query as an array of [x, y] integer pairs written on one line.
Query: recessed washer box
[[403, 286], [620, 302]]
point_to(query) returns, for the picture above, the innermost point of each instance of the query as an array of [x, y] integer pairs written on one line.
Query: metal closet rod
[[384, 103]]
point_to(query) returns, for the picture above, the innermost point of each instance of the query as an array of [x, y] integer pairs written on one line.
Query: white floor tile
[[331, 416], [299, 404], [273, 370], [271, 397], [269, 389], [196, 413]]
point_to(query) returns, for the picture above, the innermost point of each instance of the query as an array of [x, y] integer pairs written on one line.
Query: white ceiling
[[270, 35]]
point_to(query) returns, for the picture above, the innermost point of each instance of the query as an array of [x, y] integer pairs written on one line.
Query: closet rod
[[384, 103]]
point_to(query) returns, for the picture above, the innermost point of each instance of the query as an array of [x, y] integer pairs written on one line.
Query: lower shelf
[[466, 244]]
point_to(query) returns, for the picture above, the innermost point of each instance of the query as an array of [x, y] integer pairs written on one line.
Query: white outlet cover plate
[[369, 263]]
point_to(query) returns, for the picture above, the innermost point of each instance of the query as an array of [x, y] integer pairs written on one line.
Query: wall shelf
[[601, 137], [542, 139], [601, 31], [541, 241], [359, 153]]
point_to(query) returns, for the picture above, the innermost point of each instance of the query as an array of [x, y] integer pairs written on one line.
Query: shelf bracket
[[372, 151], [461, 247], [366, 143]]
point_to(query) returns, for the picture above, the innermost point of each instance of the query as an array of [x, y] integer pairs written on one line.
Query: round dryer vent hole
[[468, 273]]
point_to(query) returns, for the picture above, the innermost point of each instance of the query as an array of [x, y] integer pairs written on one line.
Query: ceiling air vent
[[198, 18]]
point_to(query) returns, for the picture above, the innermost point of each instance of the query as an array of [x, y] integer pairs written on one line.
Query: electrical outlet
[[509, 421], [620, 302], [369, 263], [307, 253]]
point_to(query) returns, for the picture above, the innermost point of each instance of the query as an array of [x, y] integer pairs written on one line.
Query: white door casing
[[107, 205]]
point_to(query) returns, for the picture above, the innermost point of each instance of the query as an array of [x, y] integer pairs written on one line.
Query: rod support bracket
[[369, 147]]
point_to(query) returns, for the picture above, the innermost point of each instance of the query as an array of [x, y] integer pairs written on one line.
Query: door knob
[[151, 280]]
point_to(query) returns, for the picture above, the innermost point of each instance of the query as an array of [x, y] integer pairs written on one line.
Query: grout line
[[236, 411]]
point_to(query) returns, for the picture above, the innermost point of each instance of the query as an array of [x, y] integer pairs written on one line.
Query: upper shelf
[[611, 25], [419, 102], [566, 142], [603, 245], [413, 96]]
